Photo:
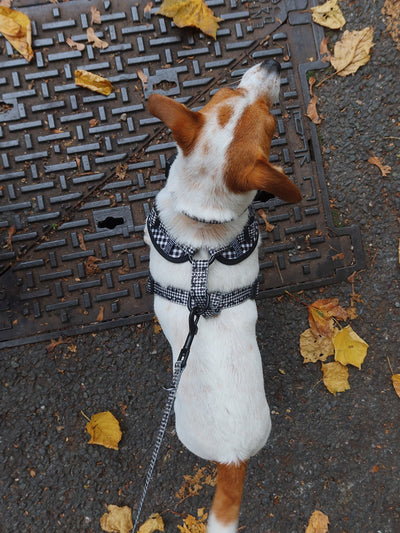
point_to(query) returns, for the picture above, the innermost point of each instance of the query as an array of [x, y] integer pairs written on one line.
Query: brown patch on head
[[225, 113], [248, 166]]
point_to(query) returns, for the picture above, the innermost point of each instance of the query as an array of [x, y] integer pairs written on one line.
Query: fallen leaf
[[391, 9], [324, 53], [396, 383], [268, 227], [95, 14], [53, 344], [191, 13], [335, 377], [318, 523], [6, 3], [100, 316], [104, 430], [194, 483], [385, 169], [350, 349], [147, 10], [91, 265], [117, 520], [154, 523], [74, 45], [352, 51], [193, 525], [320, 314], [329, 15], [312, 112], [314, 348], [11, 232], [16, 28], [91, 81], [92, 38], [142, 76]]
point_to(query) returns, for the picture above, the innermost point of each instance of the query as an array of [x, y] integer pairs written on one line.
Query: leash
[[179, 367]]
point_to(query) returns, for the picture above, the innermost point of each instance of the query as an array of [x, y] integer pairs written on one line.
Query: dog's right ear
[[184, 124]]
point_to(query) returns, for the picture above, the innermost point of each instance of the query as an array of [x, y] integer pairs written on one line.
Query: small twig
[[390, 365], [84, 416]]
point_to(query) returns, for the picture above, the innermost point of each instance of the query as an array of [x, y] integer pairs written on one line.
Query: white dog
[[203, 241]]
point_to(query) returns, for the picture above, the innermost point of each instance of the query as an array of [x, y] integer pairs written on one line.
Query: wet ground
[[338, 454]]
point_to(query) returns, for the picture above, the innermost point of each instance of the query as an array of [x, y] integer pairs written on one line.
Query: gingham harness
[[207, 304]]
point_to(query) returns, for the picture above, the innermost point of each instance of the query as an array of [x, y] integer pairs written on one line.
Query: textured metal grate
[[79, 171]]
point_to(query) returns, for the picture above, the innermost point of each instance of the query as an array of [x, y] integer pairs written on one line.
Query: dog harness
[[207, 304]]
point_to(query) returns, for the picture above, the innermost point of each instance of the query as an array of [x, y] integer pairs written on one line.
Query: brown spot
[[225, 113], [228, 495]]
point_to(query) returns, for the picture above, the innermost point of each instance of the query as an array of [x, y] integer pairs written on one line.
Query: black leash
[[178, 369]]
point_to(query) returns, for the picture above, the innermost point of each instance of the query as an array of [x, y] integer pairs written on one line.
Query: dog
[[199, 226]]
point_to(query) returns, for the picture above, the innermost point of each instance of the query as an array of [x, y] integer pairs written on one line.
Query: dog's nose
[[271, 66]]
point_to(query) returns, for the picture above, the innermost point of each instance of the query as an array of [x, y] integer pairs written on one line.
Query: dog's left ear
[[269, 178], [184, 124]]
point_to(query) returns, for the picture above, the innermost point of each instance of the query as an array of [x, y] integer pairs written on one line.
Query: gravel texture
[[337, 453]]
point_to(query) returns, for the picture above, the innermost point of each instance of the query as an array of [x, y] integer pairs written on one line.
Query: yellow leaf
[[320, 314], [191, 13], [104, 430], [315, 349], [396, 383], [352, 51], [16, 28], [329, 15], [350, 349], [335, 377], [154, 523], [318, 523], [117, 520], [91, 81], [193, 525]]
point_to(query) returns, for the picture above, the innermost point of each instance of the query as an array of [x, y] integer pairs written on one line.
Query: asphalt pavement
[[338, 454]]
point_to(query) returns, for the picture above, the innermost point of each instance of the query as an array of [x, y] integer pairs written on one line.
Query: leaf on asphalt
[[104, 430], [16, 28], [54, 344], [117, 520], [391, 9], [324, 53], [385, 169], [350, 348], [74, 45], [193, 525], [352, 51], [318, 523], [195, 483], [154, 523], [92, 38], [396, 383], [320, 314], [91, 81], [314, 348], [95, 15], [335, 377], [329, 15], [191, 13]]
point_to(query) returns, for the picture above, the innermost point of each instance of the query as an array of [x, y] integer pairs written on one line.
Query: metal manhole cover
[[79, 170]]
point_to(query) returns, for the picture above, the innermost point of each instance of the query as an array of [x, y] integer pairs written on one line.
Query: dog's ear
[[184, 124], [269, 178]]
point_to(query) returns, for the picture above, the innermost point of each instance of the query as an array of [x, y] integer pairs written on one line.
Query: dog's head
[[223, 149]]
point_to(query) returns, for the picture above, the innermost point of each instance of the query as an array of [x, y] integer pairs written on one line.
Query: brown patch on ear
[[267, 177], [184, 124], [224, 114]]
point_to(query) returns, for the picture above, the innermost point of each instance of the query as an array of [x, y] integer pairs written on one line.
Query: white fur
[[214, 526]]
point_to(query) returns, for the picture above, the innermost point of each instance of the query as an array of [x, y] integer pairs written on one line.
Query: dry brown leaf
[[268, 227], [320, 314], [350, 349], [11, 232], [100, 316], [335, 377], [91, 81], [117, 520], [74, 45], [92, 38], [91, 265], [147, 10], [315, 349], [54, 344], [16, 28], [104, 430], [318, 523], [193, 525], [385, 169], [95, 15], [142, 76], [6, 3], [352, 51], [396, 383], [329, 15], [191, 13], [391, 9], [312, 112], [154, 523], [324, 53], [193, 484]]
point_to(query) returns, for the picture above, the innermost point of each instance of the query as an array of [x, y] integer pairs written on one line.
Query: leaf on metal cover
[[350, 349], [314, 348], [92, 38], [117, 520], [104, 430], [352, 51], [16, 28], [318, 523], [91, 81], [154, 523], [191, 13], [74, 45], [335, 377], [329, 15]]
